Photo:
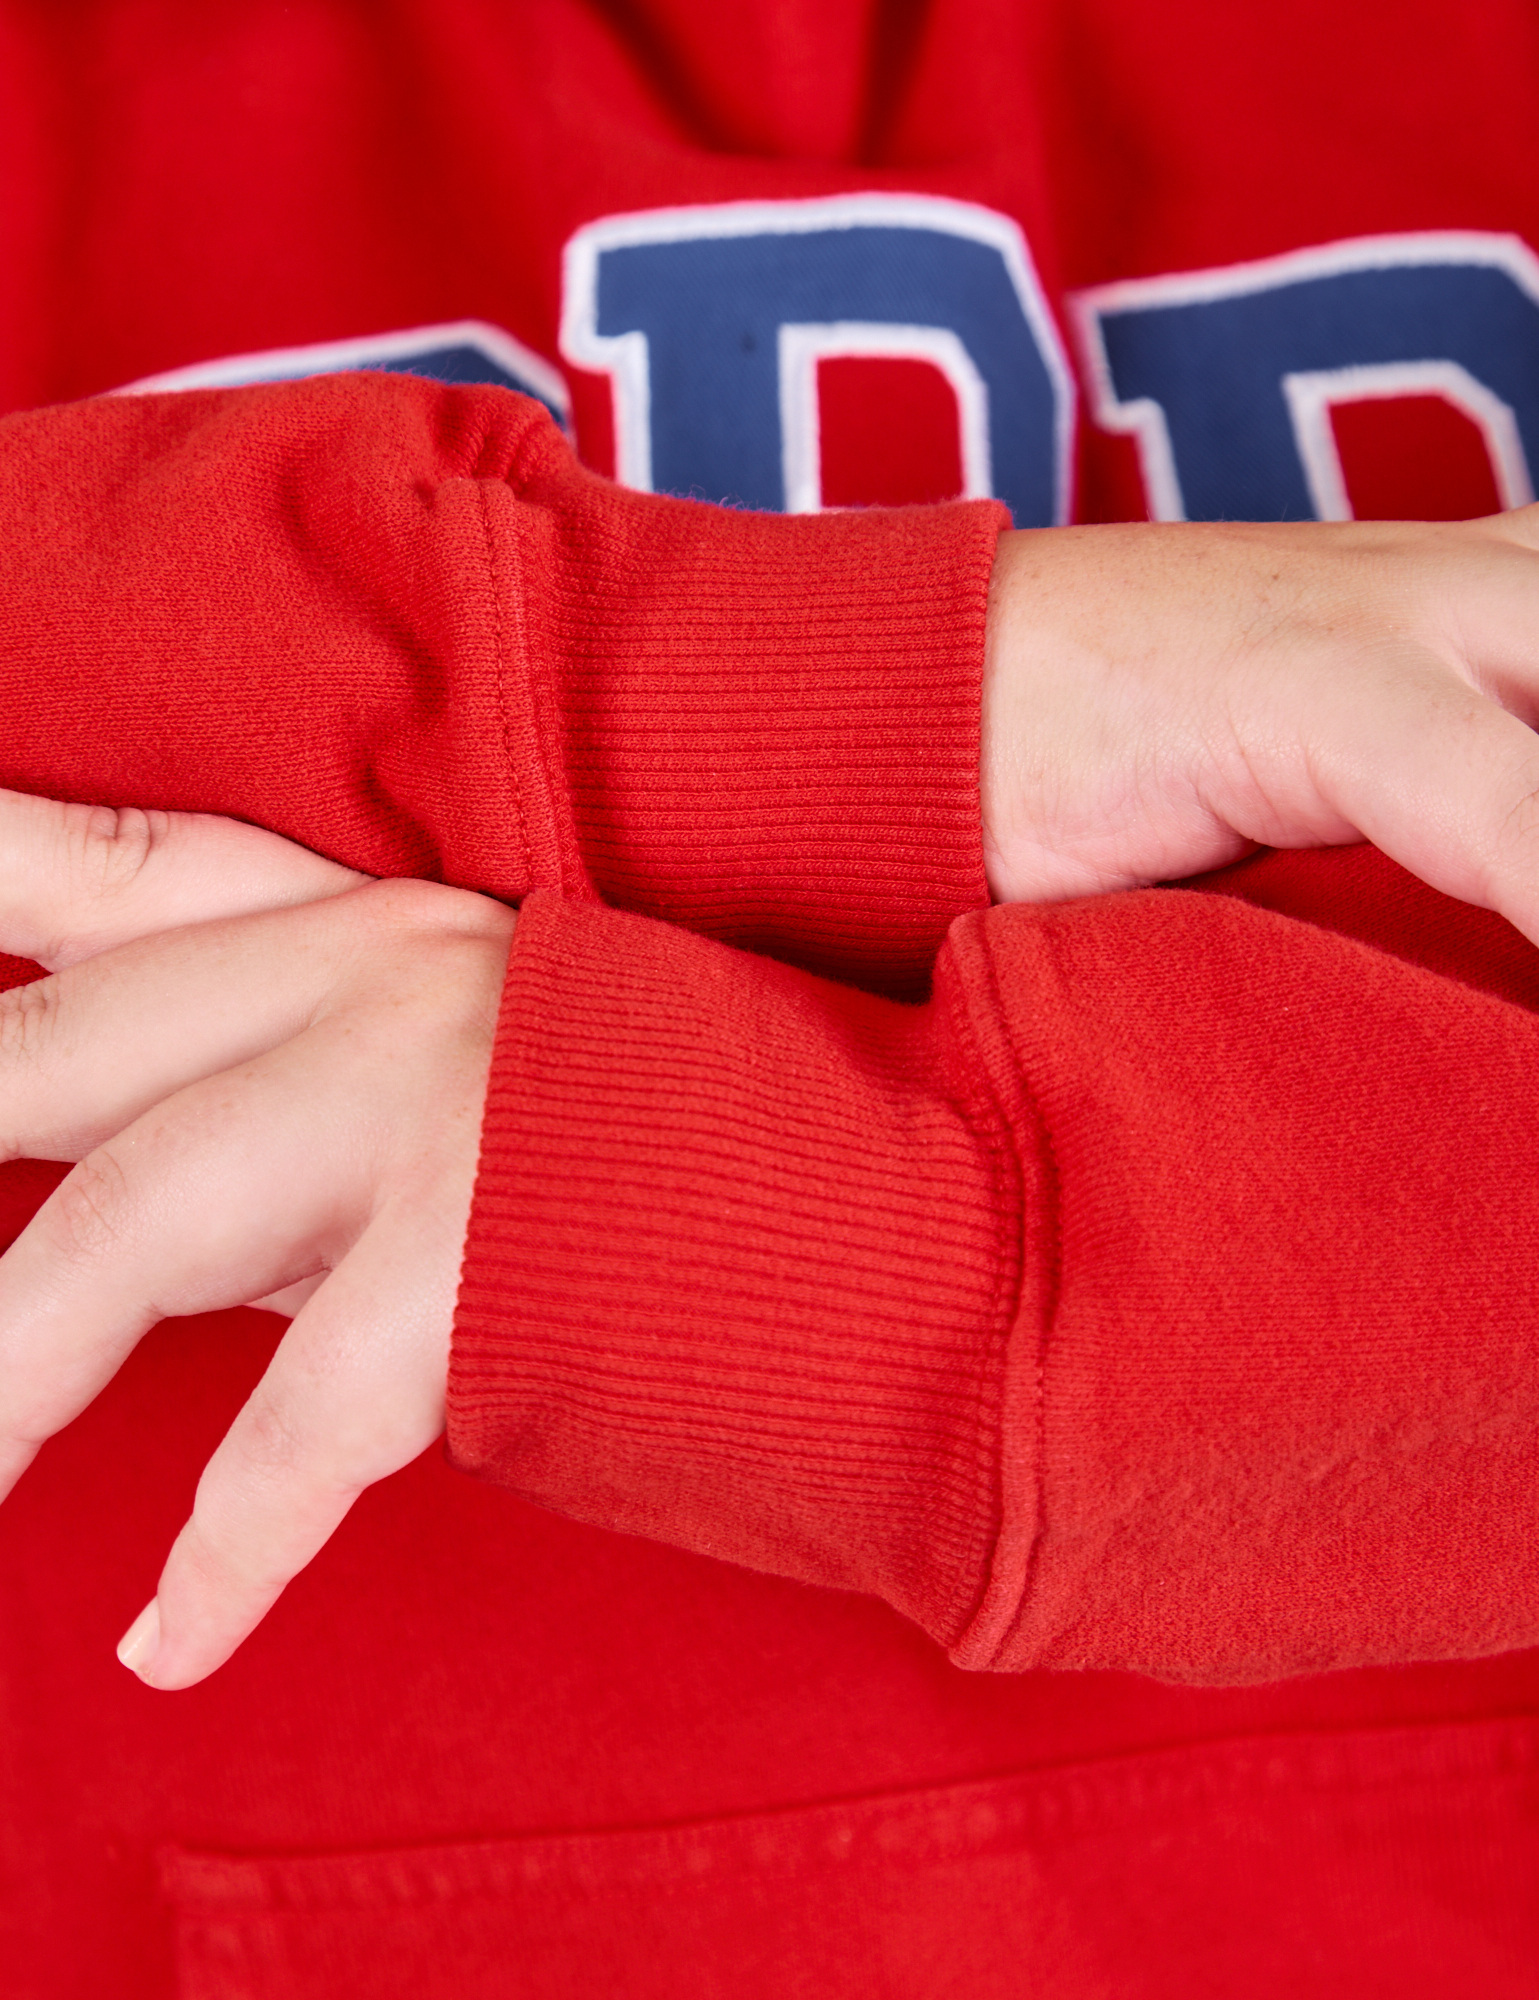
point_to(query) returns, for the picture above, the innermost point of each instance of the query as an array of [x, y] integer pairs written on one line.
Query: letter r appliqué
[[710, 323], [1227, 378]]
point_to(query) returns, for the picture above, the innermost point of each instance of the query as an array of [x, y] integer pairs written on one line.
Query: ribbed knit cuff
[[740, 1267], [771, 723]]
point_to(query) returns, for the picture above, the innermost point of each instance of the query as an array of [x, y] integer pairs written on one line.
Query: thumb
[[76, 880]]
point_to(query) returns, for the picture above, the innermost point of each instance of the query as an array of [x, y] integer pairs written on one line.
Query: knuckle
[[29, 1020], [270, 1442], [219, 1564], [279, 1453], [89, 1209], [110, 846]]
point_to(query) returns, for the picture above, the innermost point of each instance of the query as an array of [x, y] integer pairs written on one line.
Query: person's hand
[[1159, 700], [278, 1107]]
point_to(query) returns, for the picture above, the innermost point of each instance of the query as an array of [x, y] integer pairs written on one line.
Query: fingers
[[77, 879], [354, 1392], [89, 1049], [1154, 698], [349, 1149], [223, 1193], [1440, 777]]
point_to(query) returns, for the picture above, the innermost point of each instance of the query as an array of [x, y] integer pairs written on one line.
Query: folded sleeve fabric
[[1159, 1296], [398, 622]]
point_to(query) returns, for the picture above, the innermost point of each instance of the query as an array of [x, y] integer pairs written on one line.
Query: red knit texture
[[475, 1744], [760, 744], [399, 623], [740, 1271], [1112, 1310]]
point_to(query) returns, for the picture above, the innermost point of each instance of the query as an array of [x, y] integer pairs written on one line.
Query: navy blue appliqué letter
[[1227, 378], [710, 323]]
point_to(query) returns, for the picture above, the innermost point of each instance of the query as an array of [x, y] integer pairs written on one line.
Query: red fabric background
[[185, 180]]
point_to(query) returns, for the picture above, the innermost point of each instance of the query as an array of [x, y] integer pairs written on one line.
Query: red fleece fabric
[[1152, 1300], [481, 1746], [401, 624], [1159, 1324]]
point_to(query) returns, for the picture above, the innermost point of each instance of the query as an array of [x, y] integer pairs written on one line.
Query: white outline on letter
[[1312, 396], [804, 345], [333, 357], [1144, 420], [624, 357]]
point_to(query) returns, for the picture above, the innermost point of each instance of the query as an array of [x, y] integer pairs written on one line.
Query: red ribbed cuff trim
[[771, 723], [740, 1265]]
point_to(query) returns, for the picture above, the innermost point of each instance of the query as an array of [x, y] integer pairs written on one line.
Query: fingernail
[[138, 1645]]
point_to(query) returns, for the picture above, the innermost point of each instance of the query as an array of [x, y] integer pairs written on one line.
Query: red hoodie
[[1133, 1306]]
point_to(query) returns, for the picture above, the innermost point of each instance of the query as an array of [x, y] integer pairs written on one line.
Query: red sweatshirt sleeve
[[399, 623], [1160, 1296]]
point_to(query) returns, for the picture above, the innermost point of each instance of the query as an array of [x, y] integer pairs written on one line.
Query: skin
[[280, 1107], [1159, 700], [270, 1070]]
